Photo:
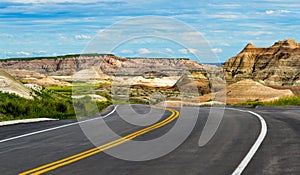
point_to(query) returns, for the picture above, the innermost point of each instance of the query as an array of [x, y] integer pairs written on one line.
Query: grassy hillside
[[46, 104]]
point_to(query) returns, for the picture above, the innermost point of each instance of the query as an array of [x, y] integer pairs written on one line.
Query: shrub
[[285, 101]]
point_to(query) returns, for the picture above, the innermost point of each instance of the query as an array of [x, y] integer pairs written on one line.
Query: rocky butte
[[276, 65]]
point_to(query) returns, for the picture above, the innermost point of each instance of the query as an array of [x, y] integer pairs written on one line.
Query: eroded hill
[[276, 65], [9, 85]]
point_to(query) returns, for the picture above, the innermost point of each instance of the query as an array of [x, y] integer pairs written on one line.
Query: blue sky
[[55, 27]]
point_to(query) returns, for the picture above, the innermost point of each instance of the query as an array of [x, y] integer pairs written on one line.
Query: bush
[[252, 103]]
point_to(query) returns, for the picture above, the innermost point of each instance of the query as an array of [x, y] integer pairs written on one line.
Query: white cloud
[[192, 51], [144, 41], [217, 50], [218, 31], [225, 5], [186, 51], [258, 33], [269, 12], [144, 51], [22, 53], [6, 35], [61, 36], [83, 37], [169, 50], [193, 33], [39, 52], [183, 51], [54, 1], [284, 11], [225, 44], [277, 12], [127, 51], [227, 15]]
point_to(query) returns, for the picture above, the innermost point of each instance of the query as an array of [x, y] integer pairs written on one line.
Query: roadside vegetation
[[49, 104], [285, 101], [63, 90]]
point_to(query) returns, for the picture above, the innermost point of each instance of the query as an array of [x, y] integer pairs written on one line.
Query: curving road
[[279, 152]]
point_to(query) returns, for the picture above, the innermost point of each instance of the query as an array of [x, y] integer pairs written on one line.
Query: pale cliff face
[[276, 65], [10, 85]]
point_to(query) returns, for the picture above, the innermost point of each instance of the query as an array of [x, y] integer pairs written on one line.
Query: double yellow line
[[54, 165]]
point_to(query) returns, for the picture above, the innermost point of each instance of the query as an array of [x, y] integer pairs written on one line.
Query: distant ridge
[[60, 70], [56, 57], [179, 58]]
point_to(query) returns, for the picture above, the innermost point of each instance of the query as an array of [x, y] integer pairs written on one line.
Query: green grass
[[77, 88], [63, 90], [60, 88], [47, 104], [284, 101], [44, 104]]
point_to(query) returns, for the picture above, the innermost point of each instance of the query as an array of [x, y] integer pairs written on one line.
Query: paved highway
[[61, 147]]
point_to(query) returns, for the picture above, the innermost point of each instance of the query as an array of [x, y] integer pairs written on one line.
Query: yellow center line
[[88, 153]]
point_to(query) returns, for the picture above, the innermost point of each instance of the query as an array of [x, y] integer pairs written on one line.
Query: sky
[[57, 27]]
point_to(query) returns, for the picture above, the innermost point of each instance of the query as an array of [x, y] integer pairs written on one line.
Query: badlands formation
[[254, 74], [276, 65]]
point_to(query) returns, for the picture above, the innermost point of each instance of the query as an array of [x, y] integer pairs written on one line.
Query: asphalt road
[[279, 152]]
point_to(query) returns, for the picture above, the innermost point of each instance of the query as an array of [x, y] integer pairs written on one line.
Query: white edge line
[[33, 120], [57, 127], [263, 132]]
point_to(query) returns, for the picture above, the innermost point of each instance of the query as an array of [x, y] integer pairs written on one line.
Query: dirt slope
[[249, 90], [10, 85]]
